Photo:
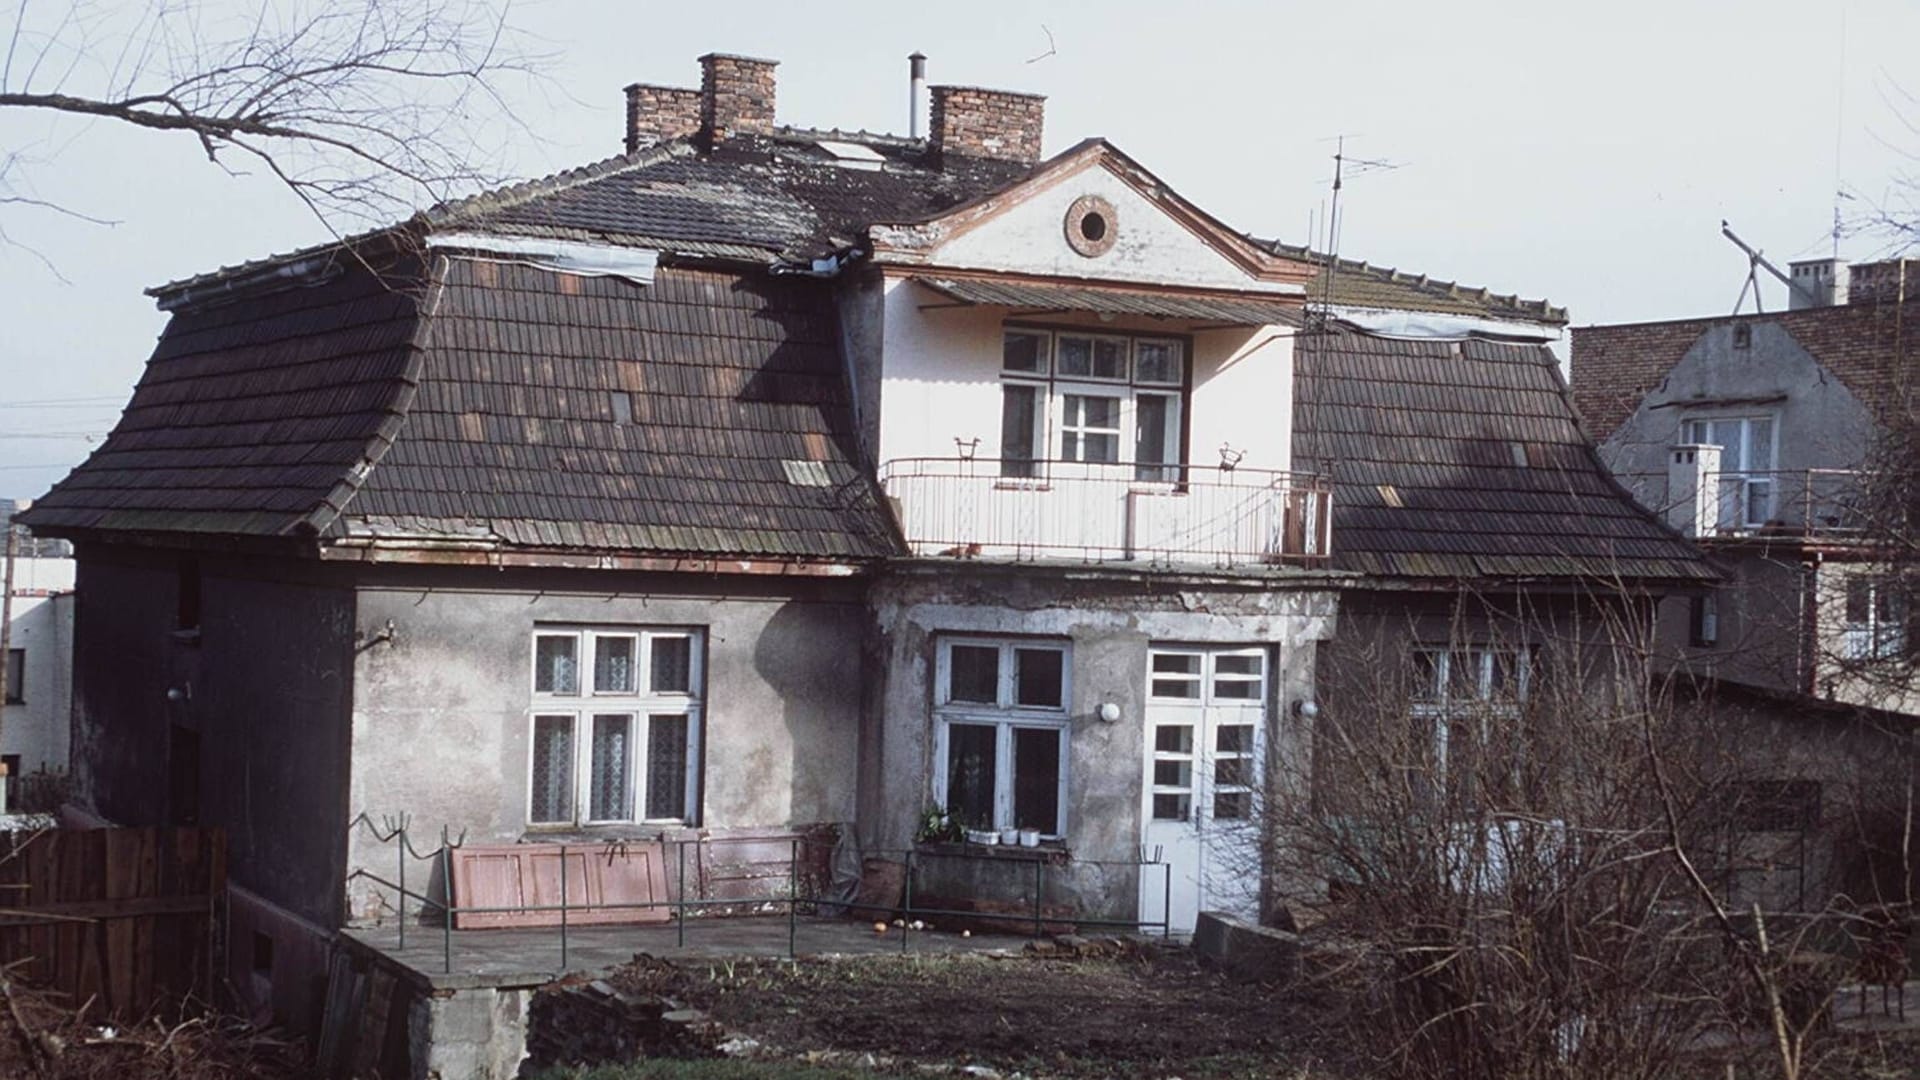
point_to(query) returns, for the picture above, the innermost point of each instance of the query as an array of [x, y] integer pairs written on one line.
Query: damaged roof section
[[788, 195], [1462, 460]]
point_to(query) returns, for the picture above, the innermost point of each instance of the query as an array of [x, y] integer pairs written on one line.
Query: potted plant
[[938, 827]]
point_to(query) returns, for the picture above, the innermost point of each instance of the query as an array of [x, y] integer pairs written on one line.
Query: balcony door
[[1748, 451], [1088, 405], [1205, 744]]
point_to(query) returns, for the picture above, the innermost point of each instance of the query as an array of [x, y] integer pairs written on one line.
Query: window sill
[[645, 832], [1052, 852]]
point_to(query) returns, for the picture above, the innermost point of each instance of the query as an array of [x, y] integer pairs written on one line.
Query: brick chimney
[[658, 113], [736, 96], [986, 123]]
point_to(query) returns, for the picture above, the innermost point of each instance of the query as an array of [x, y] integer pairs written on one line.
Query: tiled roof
[[1362, 285], [570, 412], [1463, 460], [693, 416], [251, 418]]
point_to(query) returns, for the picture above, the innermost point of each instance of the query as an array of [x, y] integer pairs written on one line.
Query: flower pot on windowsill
[[982, 836], [1009, 836]]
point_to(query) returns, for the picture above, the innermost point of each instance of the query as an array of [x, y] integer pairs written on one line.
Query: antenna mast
[[1755, 263]]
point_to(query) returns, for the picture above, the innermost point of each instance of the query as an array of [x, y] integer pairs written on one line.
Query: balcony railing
[[1780, 502], [1099, 512]]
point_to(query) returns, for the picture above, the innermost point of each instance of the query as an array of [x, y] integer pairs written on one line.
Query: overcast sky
[[1583, 153]]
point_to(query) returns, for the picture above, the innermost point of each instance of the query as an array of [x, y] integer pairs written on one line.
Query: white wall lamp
[[1109, 713], [1306, 709]]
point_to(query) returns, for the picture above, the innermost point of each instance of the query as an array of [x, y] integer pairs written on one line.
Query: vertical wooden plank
[[120, 865], [370, 1026]]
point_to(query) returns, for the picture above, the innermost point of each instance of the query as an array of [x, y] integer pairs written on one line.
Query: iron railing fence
[[1771, 502], [680, 906], [1100, 512]]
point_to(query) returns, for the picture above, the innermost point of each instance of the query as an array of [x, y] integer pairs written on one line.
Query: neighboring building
[[1750, 434], [39, 666], [767, 479]]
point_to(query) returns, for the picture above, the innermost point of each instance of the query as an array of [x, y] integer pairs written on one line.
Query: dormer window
[[1083, 397]]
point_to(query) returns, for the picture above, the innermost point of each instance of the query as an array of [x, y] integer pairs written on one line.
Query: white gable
[[1149, 246]]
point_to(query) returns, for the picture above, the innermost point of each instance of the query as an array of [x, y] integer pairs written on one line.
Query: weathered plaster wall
[[1110, 620], [441, 726], [1149, 246], [263, 683], [1762, 621], [1820, 423], [941, 380]]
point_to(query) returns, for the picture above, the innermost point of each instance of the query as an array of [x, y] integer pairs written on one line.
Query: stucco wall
[[1148, 244], [1109, 621], [441, 727], [941, 380]]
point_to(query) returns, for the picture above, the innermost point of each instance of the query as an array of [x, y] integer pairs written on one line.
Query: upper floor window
[[615, 725], [1000, 716], [1090, 397], [1748, 450], [16, 676]]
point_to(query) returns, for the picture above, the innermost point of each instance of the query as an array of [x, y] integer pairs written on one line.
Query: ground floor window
[[1001, 733], [615, 725]]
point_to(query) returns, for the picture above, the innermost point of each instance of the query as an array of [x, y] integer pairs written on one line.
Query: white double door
[[1205, 748]]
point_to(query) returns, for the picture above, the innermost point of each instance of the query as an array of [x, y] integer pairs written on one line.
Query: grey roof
[[1232, 310], [1464, 461]]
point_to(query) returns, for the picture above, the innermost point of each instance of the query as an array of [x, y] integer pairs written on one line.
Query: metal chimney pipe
[[916, 91]]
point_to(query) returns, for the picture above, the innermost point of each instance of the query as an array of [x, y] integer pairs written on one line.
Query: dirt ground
[[43, 1036], [1147, 1013]]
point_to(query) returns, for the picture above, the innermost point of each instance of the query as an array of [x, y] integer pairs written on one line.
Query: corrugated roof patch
[[806, 473]]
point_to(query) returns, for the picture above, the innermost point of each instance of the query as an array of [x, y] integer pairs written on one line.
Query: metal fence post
[[1166, 899], [909, 901], [563, 907], [680, 909], [446, 902], [793, 894], [403, 889], [1036, 897]]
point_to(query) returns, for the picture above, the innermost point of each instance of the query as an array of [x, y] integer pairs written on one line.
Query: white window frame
[[1005, 716], [1883, 634], [1754, 489], [1052, 387], [1440, 711], [640, 706]]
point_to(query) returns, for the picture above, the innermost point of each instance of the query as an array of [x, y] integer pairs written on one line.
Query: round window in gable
[[1092, 225]]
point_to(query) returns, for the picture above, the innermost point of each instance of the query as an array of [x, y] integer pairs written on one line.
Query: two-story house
[[1756, 434], [766, 478]]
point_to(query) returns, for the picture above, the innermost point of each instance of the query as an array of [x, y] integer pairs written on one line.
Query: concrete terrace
[[532, 957]]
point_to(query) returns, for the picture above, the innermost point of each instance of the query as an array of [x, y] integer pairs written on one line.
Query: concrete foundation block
[[1246, 949]]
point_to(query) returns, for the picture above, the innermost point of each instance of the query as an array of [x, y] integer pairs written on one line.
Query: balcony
[[1829, 503], [1162, 515]]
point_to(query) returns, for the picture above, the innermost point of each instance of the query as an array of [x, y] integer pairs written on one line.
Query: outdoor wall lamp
[[1306, 708], [1109, 713], [177, 694]]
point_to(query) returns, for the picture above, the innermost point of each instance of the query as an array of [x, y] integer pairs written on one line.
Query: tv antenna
[[1342, 164], [1757, 261]]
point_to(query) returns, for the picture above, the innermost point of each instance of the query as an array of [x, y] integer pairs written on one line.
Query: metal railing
[[1109, 512], [396, 831], [1772, 502]]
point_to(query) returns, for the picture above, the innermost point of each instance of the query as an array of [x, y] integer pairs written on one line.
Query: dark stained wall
[[263, 692]]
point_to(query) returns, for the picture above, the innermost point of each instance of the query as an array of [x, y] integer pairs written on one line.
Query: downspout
[[1809, 614]]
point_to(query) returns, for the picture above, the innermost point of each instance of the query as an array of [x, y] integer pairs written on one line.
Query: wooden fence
[[124, 917]]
